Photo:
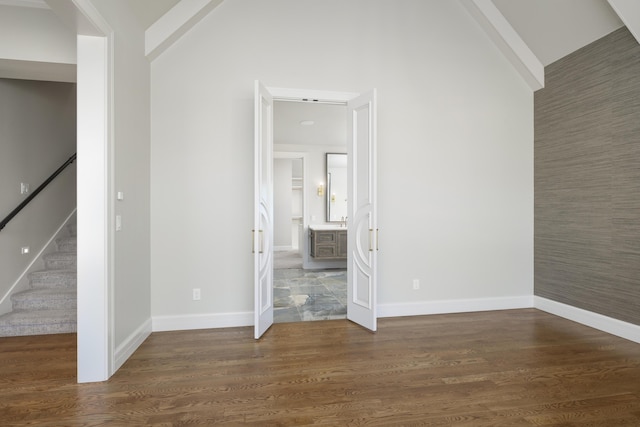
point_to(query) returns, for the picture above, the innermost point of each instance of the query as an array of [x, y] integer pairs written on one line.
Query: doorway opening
[[362, 231], [306, 286]]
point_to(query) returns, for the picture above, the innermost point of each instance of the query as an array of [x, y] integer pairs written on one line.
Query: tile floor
[[301, 295]]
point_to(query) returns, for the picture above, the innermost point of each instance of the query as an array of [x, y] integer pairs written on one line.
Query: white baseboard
[[607, 324], [598, 321], [131, 344], [202, 321], [230, 320], [454, 306]]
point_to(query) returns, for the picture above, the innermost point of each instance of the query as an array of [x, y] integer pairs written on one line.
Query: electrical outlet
[[196, 294], [416, 284], [24, 188]]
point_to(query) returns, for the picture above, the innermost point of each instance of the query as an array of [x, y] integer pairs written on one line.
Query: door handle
[[371, 240], [261, 234], [253, 241]]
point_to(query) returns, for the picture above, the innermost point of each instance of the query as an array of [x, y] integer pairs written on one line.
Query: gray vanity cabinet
[[328, 244]]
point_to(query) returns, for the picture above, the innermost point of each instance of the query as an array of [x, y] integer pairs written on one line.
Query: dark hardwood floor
[[505, 368]]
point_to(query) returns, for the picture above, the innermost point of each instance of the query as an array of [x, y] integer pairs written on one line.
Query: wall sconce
[[321, 190]]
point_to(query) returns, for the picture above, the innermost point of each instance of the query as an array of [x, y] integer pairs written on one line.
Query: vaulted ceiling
[[149, 11], [548, 29], [552, 29]]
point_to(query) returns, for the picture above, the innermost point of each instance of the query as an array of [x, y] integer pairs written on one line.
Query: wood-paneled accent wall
[[587, 179]]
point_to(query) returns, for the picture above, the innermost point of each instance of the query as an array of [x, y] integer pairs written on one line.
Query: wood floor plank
[[505, 368]]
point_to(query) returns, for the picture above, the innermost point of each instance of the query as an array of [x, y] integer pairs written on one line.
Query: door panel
[[362, 219], [263, 211]]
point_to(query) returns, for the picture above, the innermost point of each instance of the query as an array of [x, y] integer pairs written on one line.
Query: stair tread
[[61, 293], [60, 260], [60, 254], [53, 278], [41, 322], [55, 270], [57, 298], [38, 317], [67, 244]]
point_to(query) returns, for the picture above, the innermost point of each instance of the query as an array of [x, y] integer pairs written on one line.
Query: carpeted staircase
[[49, 305]]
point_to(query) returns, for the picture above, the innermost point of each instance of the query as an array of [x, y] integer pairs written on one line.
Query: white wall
[[31, 34], [35, 45], [130, 175], [37, 135], [455, 149]]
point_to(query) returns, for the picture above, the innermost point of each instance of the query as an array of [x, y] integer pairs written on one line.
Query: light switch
[[118, 223], [24, 188]]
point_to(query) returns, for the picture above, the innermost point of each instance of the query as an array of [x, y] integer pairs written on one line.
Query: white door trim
[[311, 95]]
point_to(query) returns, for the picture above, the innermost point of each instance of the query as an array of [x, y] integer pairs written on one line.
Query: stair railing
[[31, 196]]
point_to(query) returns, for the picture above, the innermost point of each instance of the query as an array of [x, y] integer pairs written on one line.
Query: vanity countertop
[[327, 227]]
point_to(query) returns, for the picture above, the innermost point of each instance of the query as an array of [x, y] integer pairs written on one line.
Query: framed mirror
[[336, 187]]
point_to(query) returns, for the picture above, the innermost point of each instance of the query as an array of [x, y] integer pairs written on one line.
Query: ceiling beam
[[175, 23], [507, 40], [629, 13]]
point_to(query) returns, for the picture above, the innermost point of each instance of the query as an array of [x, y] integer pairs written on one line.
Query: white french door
[[263, 211], [362, 234]]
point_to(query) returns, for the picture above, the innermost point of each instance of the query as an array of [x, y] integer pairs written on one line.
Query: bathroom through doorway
[[307, 287]]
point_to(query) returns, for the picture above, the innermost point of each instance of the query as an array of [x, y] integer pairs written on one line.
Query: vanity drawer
[[325, 237], [325, 251]]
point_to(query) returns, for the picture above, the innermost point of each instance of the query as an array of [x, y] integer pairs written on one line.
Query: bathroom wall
[[288, 201], [282, 203]]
